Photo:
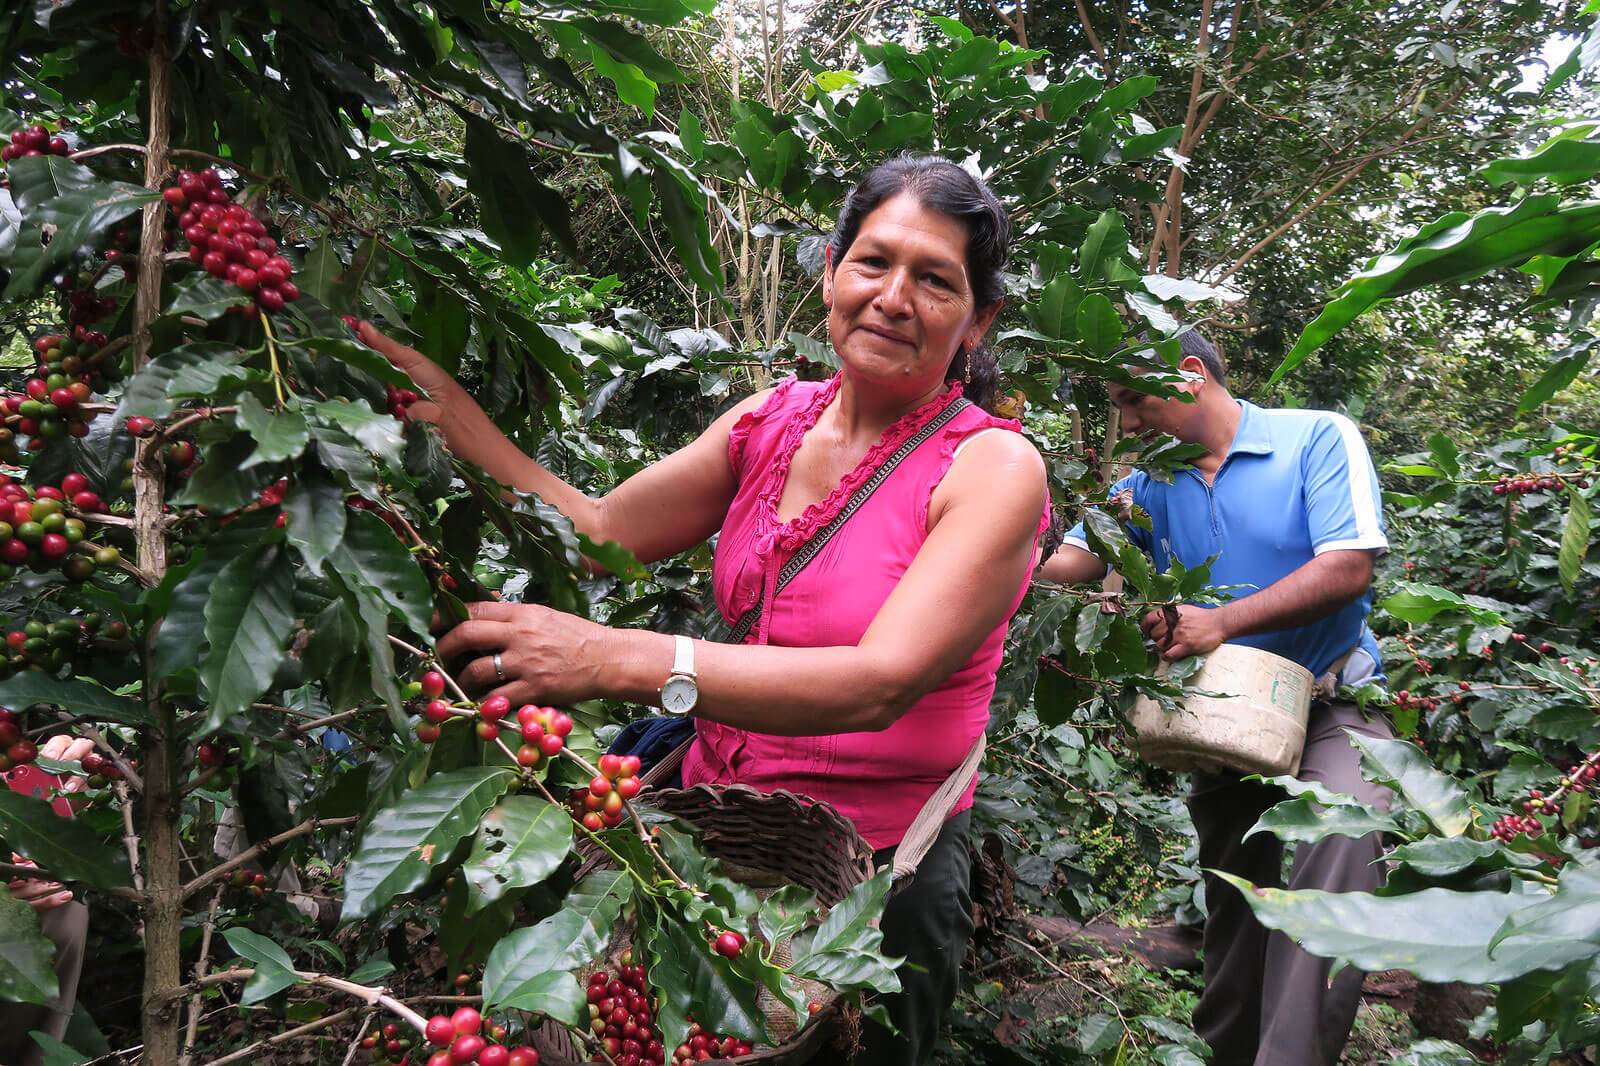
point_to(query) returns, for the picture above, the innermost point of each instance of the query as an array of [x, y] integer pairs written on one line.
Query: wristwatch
[[679, 693]]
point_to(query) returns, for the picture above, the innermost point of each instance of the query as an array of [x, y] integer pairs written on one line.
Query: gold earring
[[966, 371]]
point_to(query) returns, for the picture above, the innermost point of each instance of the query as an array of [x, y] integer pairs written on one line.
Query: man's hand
[[42, 896], [1198, 631]]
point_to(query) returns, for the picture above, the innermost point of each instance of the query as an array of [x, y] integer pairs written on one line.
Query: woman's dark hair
[[943, 186]]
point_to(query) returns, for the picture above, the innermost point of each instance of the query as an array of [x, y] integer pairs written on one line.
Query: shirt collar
[[1252, 437]]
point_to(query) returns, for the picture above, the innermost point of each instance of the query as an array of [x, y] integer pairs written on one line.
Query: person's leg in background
[[66, 927], [1305, 1019]]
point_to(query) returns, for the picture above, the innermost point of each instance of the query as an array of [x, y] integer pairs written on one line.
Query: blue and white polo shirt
[[1294, 484]]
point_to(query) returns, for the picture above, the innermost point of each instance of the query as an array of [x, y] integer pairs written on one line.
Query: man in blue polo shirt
[[1287, 502]]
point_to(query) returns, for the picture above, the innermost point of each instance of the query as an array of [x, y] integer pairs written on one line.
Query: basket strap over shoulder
[[810, 549], [924, 828]]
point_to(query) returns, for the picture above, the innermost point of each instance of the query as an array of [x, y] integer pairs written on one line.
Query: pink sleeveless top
[[878, 780]]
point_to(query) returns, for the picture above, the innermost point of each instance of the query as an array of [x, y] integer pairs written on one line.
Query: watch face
[[679, 694]]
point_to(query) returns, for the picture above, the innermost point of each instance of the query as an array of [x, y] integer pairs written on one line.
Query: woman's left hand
[[546, 656]]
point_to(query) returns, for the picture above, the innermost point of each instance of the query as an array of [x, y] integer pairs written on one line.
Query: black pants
[[928, 922], [1266, 1001]]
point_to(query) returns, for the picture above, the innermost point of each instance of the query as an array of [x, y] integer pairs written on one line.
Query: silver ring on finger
[[499, 667]]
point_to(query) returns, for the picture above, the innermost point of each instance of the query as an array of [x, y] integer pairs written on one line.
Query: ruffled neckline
[[797, 530]]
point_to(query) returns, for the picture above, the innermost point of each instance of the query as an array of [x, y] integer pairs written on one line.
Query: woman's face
[[899, 301]]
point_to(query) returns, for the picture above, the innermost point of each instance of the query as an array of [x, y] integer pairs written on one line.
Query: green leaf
[[1403, 767], [1574, 538], [1562, 160], [785, 912], [1091, 629], [974, 57], [520, 843], [691, 135], [695, 982], [248, 620], [182, 634], [150, 392], [686, 223], [1443, 856], [1099, 1033], [403, 843], [355, 354], [1437, 934], [317, 516], [274, 969], [1125, 94], [27, 959], [845, 951], [1106, 238], [1561, 374], [378, 433], [83, 698], [532, 968], [50, 191], [512, 202], [1303, 818], [1445, 455], [1565, 926], [1098, 324], [278, 436], [1422, 603], [66, 847], [370, 556], [1056, 313], [1456, 247], [202, 296]]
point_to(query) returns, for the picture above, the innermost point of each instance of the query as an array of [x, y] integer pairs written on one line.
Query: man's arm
[[1070, 565], [1321, 587]]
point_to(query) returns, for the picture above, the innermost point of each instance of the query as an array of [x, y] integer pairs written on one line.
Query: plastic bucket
[[1259, 727]]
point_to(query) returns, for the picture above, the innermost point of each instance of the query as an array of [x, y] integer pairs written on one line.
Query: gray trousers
[[1267, 1002], [928, 922], [67, 927]]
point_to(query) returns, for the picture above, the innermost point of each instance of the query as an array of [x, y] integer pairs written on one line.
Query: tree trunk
[[163, 909]]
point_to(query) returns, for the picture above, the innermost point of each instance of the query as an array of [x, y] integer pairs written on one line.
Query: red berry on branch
[[466, 1020], [440, 1031], [432, 684], [729, 944], [494, 708], [174, 197]]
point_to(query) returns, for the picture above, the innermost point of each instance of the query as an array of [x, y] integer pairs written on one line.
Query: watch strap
[[683, 656]]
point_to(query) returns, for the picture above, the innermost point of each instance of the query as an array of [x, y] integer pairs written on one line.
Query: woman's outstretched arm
[[668, 507]]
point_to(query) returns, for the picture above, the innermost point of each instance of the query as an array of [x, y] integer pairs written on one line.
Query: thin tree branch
[[217, 873]]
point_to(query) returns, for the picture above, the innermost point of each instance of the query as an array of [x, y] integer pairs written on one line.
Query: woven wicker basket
[[765, 840]]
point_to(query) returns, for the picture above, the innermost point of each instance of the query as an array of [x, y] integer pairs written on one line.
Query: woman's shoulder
[[770, 407]]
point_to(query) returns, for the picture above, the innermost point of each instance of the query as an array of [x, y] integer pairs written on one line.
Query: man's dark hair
[[1193, 342], [946, 187]]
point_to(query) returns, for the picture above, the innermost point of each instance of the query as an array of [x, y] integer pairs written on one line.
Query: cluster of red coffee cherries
[[42, 645], [36, 530], [249, 882], [461, 1039], [399, 401], [601, 804], [1522, 484], [230, 242], [1407, 699], [622, 1016], [100, 769], [1578, 778], [33, 140], [15, 749], [51, 405]]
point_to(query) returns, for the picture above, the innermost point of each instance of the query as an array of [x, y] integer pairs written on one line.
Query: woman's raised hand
[[448, 405]]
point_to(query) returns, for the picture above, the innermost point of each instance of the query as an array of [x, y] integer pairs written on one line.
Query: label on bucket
[[1288, 691]]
